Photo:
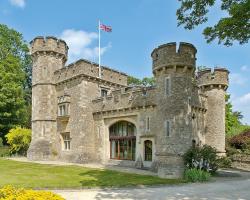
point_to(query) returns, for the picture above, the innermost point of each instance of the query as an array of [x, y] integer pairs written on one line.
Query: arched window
[[148, 150], [122, 141]]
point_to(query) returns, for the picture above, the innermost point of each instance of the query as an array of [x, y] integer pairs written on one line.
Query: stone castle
[[80, 117]]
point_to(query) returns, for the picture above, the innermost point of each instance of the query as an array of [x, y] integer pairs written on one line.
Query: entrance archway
[[122, 140]]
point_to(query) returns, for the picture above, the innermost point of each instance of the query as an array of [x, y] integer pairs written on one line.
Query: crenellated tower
[[174, 70], [214, 84], [48, 55]]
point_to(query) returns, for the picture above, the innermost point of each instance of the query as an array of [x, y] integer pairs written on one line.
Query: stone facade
[[80, 117]]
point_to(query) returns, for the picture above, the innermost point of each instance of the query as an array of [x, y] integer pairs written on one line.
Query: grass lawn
[[31, 175]]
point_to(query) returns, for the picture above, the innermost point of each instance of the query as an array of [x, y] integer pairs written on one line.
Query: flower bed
[[10, 192]]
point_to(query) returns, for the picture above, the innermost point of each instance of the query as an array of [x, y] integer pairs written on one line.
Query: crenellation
[[86, 68], [49, 44], [125, 99], [168, 56], [187, 48], [216, 77]]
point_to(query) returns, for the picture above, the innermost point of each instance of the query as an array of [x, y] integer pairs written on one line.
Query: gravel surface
[[229, 185]]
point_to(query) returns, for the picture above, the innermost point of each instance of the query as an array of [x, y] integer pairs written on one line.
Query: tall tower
[[174, 73], [48, 54], [214, 84]]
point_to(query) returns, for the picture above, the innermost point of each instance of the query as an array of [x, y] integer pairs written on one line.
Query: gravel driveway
[[231, 185]]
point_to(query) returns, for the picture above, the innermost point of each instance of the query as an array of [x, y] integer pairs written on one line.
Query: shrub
[[4, 151], [19, 140], [224, 162], [9, 192], [203, 158], [241, 141], [1, 142], [229, 149], [196, 175]]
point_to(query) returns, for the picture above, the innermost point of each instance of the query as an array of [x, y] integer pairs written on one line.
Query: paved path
[[223, 188]]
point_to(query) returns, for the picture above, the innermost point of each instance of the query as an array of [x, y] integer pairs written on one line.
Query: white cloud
[[81, 44], [242, 104], [245, 99], [245, 68], [18, 3], [237, 78]]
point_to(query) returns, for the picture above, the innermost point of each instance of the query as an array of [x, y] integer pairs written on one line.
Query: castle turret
[[174, 73], [48, 55], [214, 84]]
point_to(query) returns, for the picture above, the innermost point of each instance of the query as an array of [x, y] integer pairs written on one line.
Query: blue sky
[[138, 27]]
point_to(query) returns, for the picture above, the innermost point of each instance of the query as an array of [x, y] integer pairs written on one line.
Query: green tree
[[234, 27], [133, 81], [146, 81], [233, 124], [19, 140], [15, 80]]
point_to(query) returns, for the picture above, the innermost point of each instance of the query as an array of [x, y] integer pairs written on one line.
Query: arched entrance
[[148, 150], [122, 141]]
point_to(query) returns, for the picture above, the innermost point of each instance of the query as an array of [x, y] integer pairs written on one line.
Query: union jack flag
[[105, 28]]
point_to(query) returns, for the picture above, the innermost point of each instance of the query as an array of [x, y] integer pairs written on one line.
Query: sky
[[138, 26]]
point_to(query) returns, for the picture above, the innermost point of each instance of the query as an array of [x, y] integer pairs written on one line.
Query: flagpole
[[100, 73]]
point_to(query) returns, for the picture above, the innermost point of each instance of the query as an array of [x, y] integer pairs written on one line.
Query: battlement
[[168, 55], [49, 44], [216, 77], [129, 97], [91, 69]]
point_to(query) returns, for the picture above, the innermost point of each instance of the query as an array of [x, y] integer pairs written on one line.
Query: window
[[168, 86], [122, 141], [148, 150], [147, 124], [168, 128], [66, 141], [104, 93], [63, 109], [193, 143]]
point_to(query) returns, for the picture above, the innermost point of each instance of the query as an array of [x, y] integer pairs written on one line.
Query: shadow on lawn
[[108, 178], [211, 190]]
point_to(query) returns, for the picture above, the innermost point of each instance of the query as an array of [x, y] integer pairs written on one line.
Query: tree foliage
[[146, 81], [15, 80], [232, 118], [19, 140], [12, 44], [233, 27]]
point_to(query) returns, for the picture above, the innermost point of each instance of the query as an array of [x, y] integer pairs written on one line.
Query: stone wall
[[169, 55], [125, 98], [218, 76], [241, 161], [214, 84], [48, 55], [173, 106], [194, 107], [80, 123], [87, 68], [49, 44]]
